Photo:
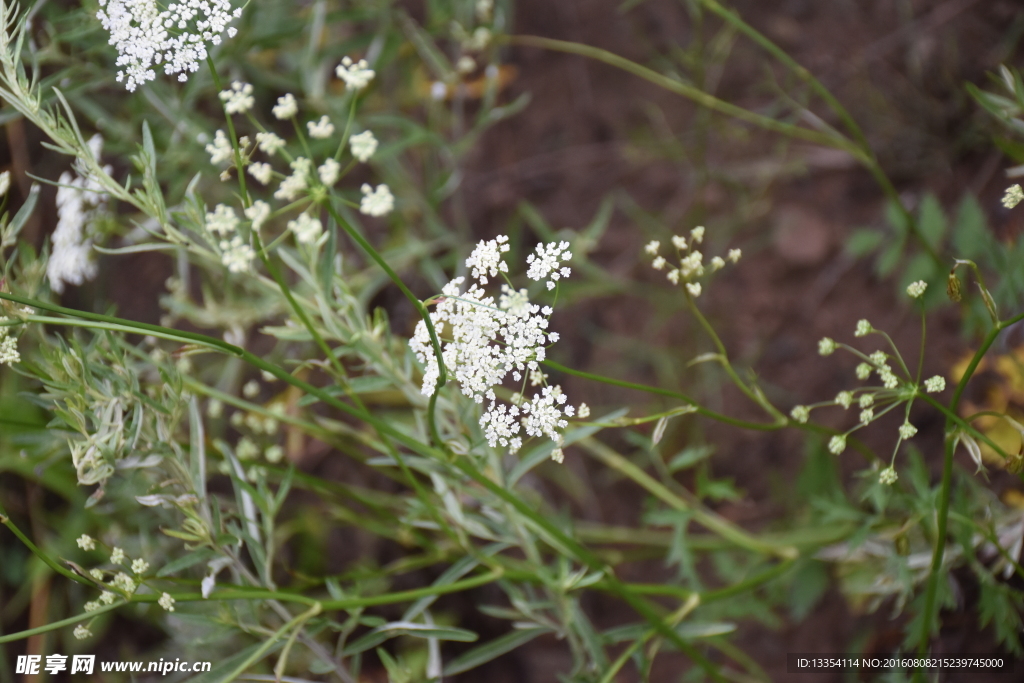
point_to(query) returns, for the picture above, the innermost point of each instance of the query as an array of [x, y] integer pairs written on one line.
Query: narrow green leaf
[[492, 650]]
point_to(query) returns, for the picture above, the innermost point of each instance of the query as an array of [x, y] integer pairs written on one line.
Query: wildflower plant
[[178, 453]]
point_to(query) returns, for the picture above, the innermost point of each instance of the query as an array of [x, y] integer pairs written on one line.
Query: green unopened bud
[[953, 290], [1015, 463]]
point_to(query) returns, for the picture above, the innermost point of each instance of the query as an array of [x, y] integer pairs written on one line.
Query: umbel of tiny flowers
[[1014, 196], [379, 202], [888, 476], [174, 36], [488, 340], [238, 99], [81, 632], [86, 542], [363, 145], [691, 266], [916, 289], [9, 354], [166, 601], [356, 75]]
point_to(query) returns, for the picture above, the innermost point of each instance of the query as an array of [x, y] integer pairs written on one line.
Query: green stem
[[944, 492], [696, 94], [420, 308], [47, 560], [704, 517], [757, 398]]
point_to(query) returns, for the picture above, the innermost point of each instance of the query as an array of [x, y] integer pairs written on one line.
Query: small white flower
[[658, 263], [679, 242], [691, 266], [356, 75], [273, 454], [306, 228], [837, 444], [329, 172], [107, 598], [866, 400], [96, 574], [697, 234], [379, 202], [935, 384], [800, 414], [486, 261], [844, 399], [91, 606], [693, 288], [297, 182], [584, 411], [247, 449], [826, 346], [262, 172], [889, 379], [236, 254], [879, 359], [320, 129], [286, 107], [916, 289], [863, 328], [167, 602], [238, 99], [223, 221], [220, 149], [81, 632], [734, 255], [717, 263], [673, 276], [251, 389], [558, 456], [1014, 196], [867, 415], [652, 247], [269, 143], [907, 430], [86, 542], [515, 302], [258, 214], [5, 182], [545, 263], [888, 476], [124, 582], [363, 145], [116, 556], [140, 566]]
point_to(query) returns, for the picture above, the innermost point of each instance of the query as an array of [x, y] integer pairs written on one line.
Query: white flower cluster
[[147, 34], [8, 345], [238, 99], [302, 179], [485, 341], [1014, 196], [222, 224], [80, 201], [356, 75], [691, 261], [546, 263]]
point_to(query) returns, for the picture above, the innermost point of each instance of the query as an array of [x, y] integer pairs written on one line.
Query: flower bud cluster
[[691, 261], [893, 392]]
